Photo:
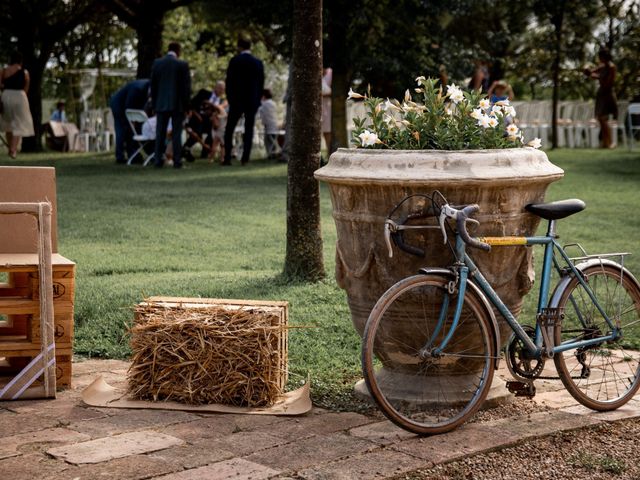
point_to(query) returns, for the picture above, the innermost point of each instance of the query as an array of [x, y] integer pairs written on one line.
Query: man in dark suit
[[132, 95], [245, 82], [170, 92]]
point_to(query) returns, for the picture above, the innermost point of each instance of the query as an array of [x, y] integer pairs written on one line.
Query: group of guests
[[210, 117], [214, 115]]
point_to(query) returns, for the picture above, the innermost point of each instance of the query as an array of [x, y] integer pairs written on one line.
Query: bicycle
[[431, 343]]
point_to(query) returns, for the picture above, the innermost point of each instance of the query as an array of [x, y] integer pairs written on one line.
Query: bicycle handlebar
[[461, 224], [394, 230]]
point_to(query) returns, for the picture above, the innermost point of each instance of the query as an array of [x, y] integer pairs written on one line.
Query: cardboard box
[[19, 233]]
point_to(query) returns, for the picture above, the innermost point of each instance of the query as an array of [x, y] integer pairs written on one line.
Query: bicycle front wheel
[[603, 376], [419, 389]]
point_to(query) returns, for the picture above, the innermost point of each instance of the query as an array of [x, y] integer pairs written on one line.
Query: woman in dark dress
[[606, 103]]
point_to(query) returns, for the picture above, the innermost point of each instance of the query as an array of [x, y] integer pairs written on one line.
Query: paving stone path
[[65, 439]]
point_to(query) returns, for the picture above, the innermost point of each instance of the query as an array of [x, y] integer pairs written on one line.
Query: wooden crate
[[20, 328], [15, 361], [20, 308], [160, 319]]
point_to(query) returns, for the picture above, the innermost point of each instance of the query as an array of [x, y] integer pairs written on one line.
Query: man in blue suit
[[132, 95], [170, 94], [245, 82]]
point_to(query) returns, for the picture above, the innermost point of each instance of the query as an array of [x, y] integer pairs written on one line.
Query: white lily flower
[[512, 130], [455, 93], [407, 96], [509, 111], [483, 121], [368, 138], [354, 95], [476, 113], [493, 122], [535, 143], [484, 103], [389, 105], [496, 110], [420, 80], [389, 120]]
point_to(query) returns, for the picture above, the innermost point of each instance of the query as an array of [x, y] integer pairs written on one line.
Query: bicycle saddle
[[556, 210]]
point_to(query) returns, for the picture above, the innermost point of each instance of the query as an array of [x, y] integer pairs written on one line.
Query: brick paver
[[117, 446], [237, 468], [51, 439]]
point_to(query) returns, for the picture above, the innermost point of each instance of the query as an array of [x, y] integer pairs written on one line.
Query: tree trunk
[[304, 240], [338, 60], [557, 21], [35, 66], [149, 33], [339, 88]]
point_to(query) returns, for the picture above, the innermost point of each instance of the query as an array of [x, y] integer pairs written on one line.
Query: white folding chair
[[633, 109], [139, 117]]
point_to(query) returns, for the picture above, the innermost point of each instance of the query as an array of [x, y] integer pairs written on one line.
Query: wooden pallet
[[38, 376]]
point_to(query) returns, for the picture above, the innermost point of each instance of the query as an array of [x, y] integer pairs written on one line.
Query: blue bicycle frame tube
[[441, 319], [548, 263], [462, 288], [498, 303]]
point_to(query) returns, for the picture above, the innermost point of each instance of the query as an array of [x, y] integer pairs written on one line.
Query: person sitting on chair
[[58, 114]]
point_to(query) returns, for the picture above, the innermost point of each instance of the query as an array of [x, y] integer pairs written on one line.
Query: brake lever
[[446, 212], [389, 225]]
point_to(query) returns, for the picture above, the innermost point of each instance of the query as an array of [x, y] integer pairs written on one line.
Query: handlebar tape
[[461, 223], [398, 239]]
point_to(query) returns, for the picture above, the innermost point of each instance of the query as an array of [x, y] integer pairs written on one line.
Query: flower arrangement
[[457, 120]]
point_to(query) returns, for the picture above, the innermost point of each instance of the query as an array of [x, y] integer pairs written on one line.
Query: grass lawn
[[220, 232]]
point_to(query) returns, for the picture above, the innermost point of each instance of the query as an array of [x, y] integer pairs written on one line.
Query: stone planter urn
[[366, 184]]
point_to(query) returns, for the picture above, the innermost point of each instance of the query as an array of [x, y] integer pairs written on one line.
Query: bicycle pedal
[[522, 389]]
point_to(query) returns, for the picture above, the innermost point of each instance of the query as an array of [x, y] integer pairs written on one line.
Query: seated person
[[58, 114], [269, 117], [59, 128], [500, 90], [198, 126], [149, 132]]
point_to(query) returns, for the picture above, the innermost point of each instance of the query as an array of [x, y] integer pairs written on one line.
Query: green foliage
[[207, 47], [456, 120], [599, 463]]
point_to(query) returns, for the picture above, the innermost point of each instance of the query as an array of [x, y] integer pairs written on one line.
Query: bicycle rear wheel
[[604, 376], [423, 393]]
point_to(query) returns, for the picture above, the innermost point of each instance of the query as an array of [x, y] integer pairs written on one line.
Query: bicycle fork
[[429, 350]]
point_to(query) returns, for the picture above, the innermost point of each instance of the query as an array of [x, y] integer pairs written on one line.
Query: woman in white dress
[[15, 119]]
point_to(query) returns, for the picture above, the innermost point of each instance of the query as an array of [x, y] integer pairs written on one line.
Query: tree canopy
[[383, 44]]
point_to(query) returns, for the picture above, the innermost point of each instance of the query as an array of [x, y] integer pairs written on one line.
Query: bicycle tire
[[427, 396], [607, 375]]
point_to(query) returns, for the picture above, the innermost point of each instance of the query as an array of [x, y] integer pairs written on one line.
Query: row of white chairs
[[97, 132], [577, 125]]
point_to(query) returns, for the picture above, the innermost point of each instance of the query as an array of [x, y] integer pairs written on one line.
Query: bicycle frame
[[467, 269]]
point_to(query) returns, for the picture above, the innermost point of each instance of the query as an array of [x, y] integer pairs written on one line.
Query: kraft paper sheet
[[101, 394]]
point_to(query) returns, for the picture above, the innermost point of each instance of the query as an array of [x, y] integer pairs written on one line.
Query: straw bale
[[206, 354]]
